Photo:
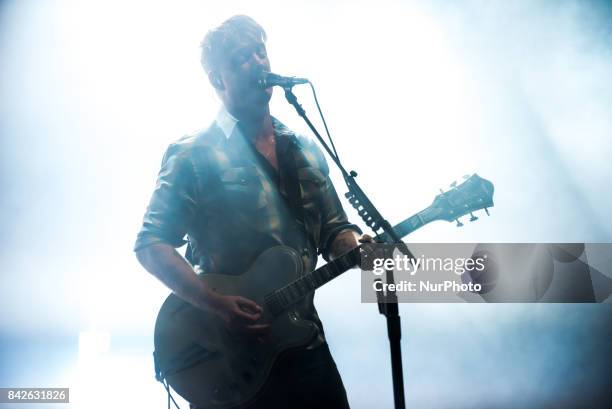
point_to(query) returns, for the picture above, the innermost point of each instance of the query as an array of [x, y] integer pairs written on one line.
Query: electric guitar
[[214, 369]]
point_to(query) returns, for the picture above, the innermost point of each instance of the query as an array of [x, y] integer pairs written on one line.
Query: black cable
[[331, 141], [169, 394]]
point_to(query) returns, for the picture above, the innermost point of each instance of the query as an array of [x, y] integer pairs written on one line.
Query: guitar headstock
[[475, 193]]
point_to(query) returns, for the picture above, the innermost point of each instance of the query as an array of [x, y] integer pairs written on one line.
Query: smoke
[[416, 94]]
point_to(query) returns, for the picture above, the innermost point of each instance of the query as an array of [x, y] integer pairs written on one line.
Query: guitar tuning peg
[[473, 218], [459, 224], [454, 184], [487, 211], [466, 176]]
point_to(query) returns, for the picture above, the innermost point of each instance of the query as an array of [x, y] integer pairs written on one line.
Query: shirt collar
[[226, 122]]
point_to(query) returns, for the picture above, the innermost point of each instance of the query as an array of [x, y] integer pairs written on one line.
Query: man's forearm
[[165, 263], [344, 242]]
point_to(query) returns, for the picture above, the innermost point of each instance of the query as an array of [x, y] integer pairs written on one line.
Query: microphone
[[265, 79]]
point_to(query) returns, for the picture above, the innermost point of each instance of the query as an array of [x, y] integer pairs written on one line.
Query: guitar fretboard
[[298, 289]]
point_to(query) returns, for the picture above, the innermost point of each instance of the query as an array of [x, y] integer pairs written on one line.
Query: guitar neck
[[410, 225], [298, 289]]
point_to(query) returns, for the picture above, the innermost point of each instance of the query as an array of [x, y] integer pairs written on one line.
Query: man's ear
[[215, 80]]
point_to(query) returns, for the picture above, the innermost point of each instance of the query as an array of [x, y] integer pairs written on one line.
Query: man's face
[[240, 92]]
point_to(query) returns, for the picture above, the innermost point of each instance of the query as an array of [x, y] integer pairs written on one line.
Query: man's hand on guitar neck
[[238, 313]]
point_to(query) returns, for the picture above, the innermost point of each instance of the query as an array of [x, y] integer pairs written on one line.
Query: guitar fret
[[296, 291], [293, 290], [299, 283], [303, 285], [313, 281], [334, 269], [317, 278], [277, 305], [310, 282], [284, 297], [272, 302], [290, 291], [348, 262], [322, 274], [329, 273]]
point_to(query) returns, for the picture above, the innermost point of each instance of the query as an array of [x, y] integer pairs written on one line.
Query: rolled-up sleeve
[[333, 218], [173, 203]]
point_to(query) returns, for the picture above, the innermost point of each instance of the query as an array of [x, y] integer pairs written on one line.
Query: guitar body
[[216, 369]]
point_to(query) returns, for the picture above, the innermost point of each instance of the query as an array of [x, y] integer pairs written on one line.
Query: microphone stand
[[387, 303]]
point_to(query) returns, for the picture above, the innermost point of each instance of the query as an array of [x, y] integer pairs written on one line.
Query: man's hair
[[231, 32]]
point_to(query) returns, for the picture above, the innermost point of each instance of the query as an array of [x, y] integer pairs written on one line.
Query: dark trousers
[[304, 379]]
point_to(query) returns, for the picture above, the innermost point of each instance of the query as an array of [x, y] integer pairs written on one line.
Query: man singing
[[243, 185]]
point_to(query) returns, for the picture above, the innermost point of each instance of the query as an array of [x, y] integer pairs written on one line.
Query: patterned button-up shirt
[[216, 189]]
